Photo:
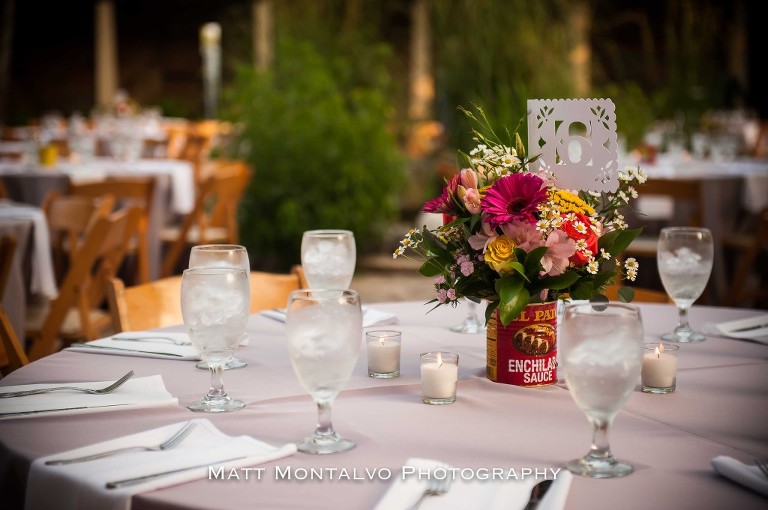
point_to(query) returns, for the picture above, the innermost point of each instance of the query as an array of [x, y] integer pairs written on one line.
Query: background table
[[32, 273], [174, 189], [719, 408]]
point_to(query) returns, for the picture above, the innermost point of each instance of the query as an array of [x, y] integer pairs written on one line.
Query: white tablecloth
[[23, 221], [718, 409]]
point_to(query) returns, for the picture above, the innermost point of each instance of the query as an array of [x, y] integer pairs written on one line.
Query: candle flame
[[381, 340], [439, 360], [658, 351]]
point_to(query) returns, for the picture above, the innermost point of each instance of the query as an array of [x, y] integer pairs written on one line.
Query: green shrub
[[322, 150]]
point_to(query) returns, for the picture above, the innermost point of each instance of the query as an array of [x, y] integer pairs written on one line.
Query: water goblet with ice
[[324, 332], [684, 259], [601, 352], [214, 304], [328, 258], [221, 255]]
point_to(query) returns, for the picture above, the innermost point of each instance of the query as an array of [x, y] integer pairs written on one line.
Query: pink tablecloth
[[719, 408]]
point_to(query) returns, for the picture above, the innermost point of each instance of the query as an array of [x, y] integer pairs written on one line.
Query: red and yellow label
[[524, 353]]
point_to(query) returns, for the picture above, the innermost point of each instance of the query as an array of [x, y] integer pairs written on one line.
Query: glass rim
[[328, 233], [692, 230], [214, 270], [611, 304], [668, 346], [219, 247], [443, 355], [308, 292], [383, 333]]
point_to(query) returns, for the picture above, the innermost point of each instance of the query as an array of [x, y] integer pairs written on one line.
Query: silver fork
[[150, 339], [763, 465], [108, 389], [435, 487], [169, 443]]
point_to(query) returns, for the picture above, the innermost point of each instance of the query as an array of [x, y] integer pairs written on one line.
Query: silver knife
[[91, 346], [25, 413], [141, 479], [749, 328]]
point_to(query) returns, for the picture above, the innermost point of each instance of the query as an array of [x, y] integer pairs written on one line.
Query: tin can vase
[[524, 352]]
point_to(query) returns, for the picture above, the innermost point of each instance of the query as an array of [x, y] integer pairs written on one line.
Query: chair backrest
[[84, 286], [7, 251], [157, 304], [686, 195], [127, 191], [69, 217], [12, 355], [216, 206]]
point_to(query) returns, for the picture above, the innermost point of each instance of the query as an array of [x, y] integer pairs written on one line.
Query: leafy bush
[[321, 148]]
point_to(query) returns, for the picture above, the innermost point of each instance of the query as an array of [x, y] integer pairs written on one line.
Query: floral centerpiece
[[512, 237]]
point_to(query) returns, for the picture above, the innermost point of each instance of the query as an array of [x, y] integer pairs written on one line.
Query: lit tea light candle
[[439, 374], [383, 353], [659, 371]]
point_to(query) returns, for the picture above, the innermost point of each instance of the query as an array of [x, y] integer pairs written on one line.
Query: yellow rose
[[500, 253]]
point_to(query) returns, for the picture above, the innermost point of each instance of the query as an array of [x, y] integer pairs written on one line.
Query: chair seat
[[212, 235], [71, 328]]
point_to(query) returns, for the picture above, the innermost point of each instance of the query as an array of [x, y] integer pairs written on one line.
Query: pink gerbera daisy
[[515, 197], [444, 203]]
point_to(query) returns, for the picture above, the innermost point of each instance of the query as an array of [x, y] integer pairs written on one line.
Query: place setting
[[112, 471], [66, 398]]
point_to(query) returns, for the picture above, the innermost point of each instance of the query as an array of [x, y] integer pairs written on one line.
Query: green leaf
[[517, 266], [626, 294], [583, 290], [606, 240], [623, 240], [430, 268], [558, 282], [464, 160], [533, 261], [513, 298]]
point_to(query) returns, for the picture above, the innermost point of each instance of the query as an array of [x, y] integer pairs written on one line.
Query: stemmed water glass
[[328, 258], [214, 304], [221, 255], [324, 331], [684, 259], [601, 351], [471, 323]]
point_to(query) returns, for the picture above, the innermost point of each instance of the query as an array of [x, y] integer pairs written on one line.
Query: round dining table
[[720, 408]]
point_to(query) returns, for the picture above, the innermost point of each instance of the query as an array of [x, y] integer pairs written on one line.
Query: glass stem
[[682, 319], [324, 426], [471, 311], [217, 384], [600, 448]]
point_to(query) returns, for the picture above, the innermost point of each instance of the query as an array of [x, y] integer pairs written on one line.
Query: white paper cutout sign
[[577, 141]]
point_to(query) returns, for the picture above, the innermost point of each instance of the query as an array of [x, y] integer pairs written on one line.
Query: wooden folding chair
[[12, 354], [688, 202], [157, 304], [214, 217], [84, 287], [69, 217], [7, 251], [749, 249], [127, 191]]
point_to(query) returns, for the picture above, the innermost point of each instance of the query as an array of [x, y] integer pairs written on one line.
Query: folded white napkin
[[145, 344], [473, 493], [83, 484], [752, 328], [371, 317], [134, 394], [746, 475]]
